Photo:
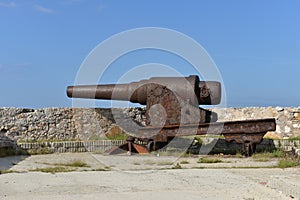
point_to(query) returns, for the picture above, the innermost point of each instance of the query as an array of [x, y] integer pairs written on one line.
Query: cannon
[[172, 110]]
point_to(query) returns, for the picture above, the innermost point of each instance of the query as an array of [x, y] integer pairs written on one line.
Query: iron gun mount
[[172, 109]]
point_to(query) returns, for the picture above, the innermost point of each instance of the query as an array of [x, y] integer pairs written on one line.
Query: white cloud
[[42, 9], [8, 5]]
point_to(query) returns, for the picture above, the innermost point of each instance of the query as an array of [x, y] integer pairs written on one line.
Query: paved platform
[[146, 177]]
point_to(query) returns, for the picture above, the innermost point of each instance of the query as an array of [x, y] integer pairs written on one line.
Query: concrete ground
[[145, 177]]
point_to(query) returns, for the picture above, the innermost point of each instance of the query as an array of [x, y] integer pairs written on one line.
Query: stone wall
[[287, 119], [61, 124]]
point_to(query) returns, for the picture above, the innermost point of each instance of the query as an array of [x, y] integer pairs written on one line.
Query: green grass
[[238, 155], [285, 163], [8, 171], [266, 156], [262, 159], [184, 162], [39, 151], [101, 169], [116, 133], [198, 167], [177, 166], [209, 160], [76, 163], [294, 138], [151, 162], [277, 154], [53, 170]]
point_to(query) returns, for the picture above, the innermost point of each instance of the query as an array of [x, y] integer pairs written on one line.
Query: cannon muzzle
[[199, 92], [124, 92]]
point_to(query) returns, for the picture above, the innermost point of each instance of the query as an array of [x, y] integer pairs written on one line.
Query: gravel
[[146, 177]]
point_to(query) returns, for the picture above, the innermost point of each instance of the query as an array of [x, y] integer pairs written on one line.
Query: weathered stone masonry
[[19, 125], [287, 119]]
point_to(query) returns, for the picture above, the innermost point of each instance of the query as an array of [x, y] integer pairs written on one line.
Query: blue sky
[[255, 45]]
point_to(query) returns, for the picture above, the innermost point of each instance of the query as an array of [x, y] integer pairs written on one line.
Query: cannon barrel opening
[[210, 93]]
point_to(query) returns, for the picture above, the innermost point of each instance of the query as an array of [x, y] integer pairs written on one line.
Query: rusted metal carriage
[[172, 110]]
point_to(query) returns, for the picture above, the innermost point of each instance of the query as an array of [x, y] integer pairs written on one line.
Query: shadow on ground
[[10, 153], [225, 147]]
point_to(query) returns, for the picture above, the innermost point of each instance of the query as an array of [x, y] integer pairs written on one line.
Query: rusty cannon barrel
[[191, 88]]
